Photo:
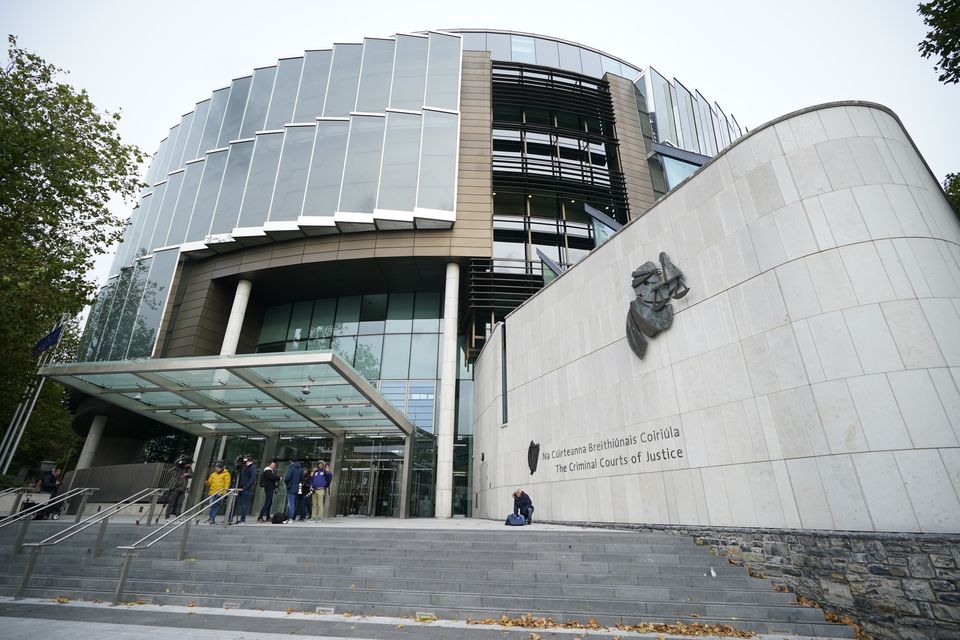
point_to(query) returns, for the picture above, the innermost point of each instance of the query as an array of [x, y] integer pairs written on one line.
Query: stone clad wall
[[810, 378]]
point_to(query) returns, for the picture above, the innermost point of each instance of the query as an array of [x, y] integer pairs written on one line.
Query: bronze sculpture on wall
[[649, 312]]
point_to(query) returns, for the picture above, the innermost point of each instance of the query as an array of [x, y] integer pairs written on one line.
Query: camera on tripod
[[183, 461]]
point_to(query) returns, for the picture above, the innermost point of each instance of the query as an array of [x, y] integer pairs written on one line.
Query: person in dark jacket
[[523, 505], [303, 497], [50, 482], [177, 489], [319, 483], [247, 484], [292, 480], [269, 481]]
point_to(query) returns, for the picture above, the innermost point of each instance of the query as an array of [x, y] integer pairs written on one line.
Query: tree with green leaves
[[951, 186], [61, 160], [943, 39]]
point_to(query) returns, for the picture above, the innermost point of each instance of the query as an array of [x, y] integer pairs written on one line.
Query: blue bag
[[514, 520]]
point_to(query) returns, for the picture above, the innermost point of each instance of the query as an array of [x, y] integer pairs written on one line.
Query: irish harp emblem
[[649, 312], [533, 455]]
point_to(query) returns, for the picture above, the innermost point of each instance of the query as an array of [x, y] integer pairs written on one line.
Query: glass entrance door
[[370, 477]]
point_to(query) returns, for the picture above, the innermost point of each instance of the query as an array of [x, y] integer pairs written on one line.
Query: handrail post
[[182, 553], [97, 548], [83, 505], [16, 502], [229, 512], [131, 554], [18, 543], [31, 561], [153, 507]]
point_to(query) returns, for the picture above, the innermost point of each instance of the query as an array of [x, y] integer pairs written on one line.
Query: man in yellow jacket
[[218, 483]]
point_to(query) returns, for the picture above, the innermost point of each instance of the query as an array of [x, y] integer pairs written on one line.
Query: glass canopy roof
[[294, 393]]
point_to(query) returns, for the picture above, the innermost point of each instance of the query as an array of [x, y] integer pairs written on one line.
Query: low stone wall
[[892, 585]]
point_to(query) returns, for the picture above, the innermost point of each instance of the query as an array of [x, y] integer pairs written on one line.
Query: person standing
[[50, 482], [269, 481], [292, 481], [217, 483], [523, 505], [177, 489], [303, 497], [320, 482], [247, 484]]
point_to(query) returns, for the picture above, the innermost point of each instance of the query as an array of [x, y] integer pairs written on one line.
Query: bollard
[[97, 546], [31, 561]]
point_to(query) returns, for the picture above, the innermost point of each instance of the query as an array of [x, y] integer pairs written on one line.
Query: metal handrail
[[102, 516], [63, 497], [19, 491], [7, 492], [183, 520]]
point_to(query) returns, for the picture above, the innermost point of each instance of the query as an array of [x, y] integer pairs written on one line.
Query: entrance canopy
[[310, 392]]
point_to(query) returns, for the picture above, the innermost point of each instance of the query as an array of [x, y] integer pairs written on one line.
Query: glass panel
[[150, 223], [190, 151], [157, 163], [263, 172], [231, 192], [259, 101], [188, 193], [183, 130], [499, 46], [400, 313], [423, 355], [207, 195], [705, 126], [474, 41], [292, 176], [374, 88], [420, 404], [426, 313], [326, 168], [322, 323], [373, 313], [344, 76], [234, 113], [663, 109], [610, 66], [211, 131], [284, 92], [443, 72], [590, 60], [720, 123], [345, 347], [688, 123], [313, 85], [438, 161], [401, 154], [165, 215], [547, 53], [362, 168], [153, 304], [523, 49], [124, 248], [367, 358], [137, 228], [348, 316], [275, 323], [91, 330], [128, 314], [409, 73], [569, 57], [396, 356], [300, 322], [111, 315]]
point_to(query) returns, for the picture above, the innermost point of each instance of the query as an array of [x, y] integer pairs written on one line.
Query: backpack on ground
[[514, 520], [278, 518]]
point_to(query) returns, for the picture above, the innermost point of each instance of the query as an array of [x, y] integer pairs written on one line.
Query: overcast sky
[[758, 60]]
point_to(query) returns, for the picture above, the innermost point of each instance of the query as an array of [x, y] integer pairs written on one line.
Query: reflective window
[[231, 191], [292, 176], [138, 223], [188, 193], [313, 85], [299, 327], [326, 168], [498, 44], [409, 73], [127, 317], [443, 72], [401, 153], [344, 76], [362, 167], [144, 330], [345, 347], [259, 101], [474, 41], [284, 92], [610, 66], [111, 316], [374, 88], [124, 248], [211, 130], [438, 161], [174, 139], [90, 331], [190, 151], [396, 356], [704, 119], [207, 195], [400, 313], [424, 349], [324, 312], [367, 358], [348, 316], [547, 53], [373, 314], [590, 60], [234, 113], [570, 57], [263, 173], [426, 313], [676, 171], [176, 158], [688, 125], [150, 222], [523, 49], [154, 172], [275, 323], [165, 215], [720, 122]]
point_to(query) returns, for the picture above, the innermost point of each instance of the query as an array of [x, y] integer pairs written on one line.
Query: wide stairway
[[577, 574]]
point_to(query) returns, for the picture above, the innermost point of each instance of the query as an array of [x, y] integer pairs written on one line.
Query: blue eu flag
[[47, 341]]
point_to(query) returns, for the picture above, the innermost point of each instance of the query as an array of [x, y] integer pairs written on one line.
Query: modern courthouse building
[[440, 261]]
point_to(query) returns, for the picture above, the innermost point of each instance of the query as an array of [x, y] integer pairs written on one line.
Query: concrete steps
[[457, 574]]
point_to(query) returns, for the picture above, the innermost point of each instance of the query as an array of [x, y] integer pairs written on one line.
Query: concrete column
[[334, 464], [201, 468], [232, 335], [91, 443], [448, 392]]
